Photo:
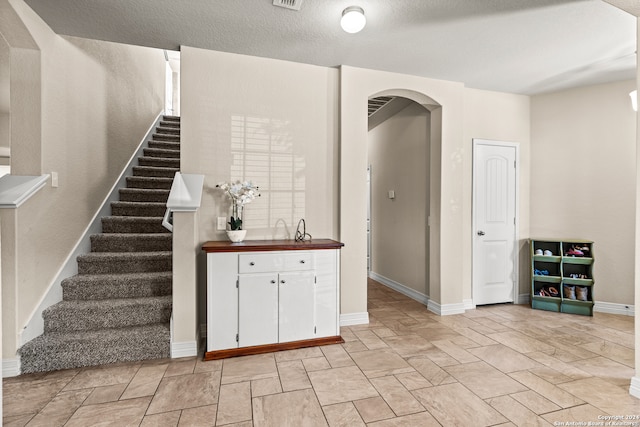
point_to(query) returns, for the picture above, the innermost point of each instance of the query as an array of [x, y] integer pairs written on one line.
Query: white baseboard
[[10, 367], [613, 308], [184, 349], [634, 388], [445, 309], [468, 304], [404, 290], [524, 299], [351, 319]]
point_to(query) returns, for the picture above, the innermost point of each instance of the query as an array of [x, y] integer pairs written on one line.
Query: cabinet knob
[[273, 281], [301, 261], [283, 282], [252, 263]]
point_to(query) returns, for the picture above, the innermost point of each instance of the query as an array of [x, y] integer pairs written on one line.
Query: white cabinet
[[271, 295]]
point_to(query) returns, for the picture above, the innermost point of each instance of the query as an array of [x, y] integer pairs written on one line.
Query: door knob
[[481, 233]]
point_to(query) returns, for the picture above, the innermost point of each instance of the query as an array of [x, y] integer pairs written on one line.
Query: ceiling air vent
[[288, 4]]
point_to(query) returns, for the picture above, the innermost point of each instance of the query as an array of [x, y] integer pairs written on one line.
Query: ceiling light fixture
[[634, 100], [353, 19]]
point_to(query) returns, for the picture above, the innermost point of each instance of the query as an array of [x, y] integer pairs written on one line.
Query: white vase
[[236, 236]]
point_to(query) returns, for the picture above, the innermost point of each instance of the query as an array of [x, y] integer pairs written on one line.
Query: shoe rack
[[562, 275]]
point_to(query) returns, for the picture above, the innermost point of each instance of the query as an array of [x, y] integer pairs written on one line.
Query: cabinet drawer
[[275, 262]]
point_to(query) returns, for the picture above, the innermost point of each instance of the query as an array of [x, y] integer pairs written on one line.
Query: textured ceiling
[[518, 46]]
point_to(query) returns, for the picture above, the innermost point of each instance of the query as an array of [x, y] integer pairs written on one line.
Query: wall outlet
[[222, 223], [54, 179]]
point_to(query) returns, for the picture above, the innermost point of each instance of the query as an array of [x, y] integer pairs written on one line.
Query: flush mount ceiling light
[[353, 19]]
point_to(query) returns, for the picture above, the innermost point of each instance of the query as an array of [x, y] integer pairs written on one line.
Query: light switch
[[392, 194], [54, 179], [222, 223]]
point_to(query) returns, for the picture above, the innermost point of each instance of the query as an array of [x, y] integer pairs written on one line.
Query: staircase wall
[[97, 101]]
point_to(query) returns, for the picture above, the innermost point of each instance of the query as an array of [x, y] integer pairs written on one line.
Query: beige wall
[[398, 152], [583, 169], [269, 121], [501, 117], [97, 101]]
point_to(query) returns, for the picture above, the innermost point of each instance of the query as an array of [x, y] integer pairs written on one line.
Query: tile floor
[[500, 365]]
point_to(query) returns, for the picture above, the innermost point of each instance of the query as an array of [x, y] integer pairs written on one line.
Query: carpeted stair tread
[[169, 123], [132, 224], [110, 286], [90, 315], [55, 351], [145, 209], [159, 162], [169, 117], [165, 137], [131, 242], [168, 130], [154, 171], [124, 262], [149, 182], [143, 195], [166, 145], [161, 152]]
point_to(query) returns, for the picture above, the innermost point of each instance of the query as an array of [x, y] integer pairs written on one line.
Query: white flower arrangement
[[240, 194]]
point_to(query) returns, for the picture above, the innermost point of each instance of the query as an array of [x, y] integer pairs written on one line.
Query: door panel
[[297, 306], [494, 217], [257, 309]]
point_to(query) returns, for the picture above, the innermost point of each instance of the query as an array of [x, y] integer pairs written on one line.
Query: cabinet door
[[297, 306], [257, 309]]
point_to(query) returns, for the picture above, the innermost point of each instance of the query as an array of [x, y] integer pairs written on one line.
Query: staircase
[[117, 308]]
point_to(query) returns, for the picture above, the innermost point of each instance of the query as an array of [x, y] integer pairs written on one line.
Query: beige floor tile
[[293, 376], [247, 368], [354, 346], [444, 402], [455, 351], [181, 367], [341, 385], [396, 395], [413, 380], [316, 364], [608, 370], [440, 358], [165, 419], [557, 395], [504, 358], [383, 332], [343, 415], [208, 366], [605, 333], [298, 354], [296, 408], [484, 380], [103, 375], [203, 389], [377, 363], [370, 340], [436, 333], [604, 396], [430, 371], [568, 369], [265, 386], [488, 325], [516, 412], [373, 409], [203, 416], [422, 419], [18, 420], [464, 342], [337, 356], [535, 402], [551, 375], [576, 414], [30, 396], [145, 382], [60, 408], [408, 345], [612, 351], [122, 413], [521, 342], [235, 403], [105, 394]]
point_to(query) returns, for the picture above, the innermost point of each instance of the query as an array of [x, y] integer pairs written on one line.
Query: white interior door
[[494, 233]]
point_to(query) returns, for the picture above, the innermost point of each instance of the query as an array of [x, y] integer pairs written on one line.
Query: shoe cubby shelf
[[562, 275]]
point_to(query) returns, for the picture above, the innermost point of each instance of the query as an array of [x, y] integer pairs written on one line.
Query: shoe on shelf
[[574, 252], [569, 292], [548, 253], [538, 251], [582, 293], [552, 291]]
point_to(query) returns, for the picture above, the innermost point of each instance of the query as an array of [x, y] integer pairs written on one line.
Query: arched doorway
[[399, 194]]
